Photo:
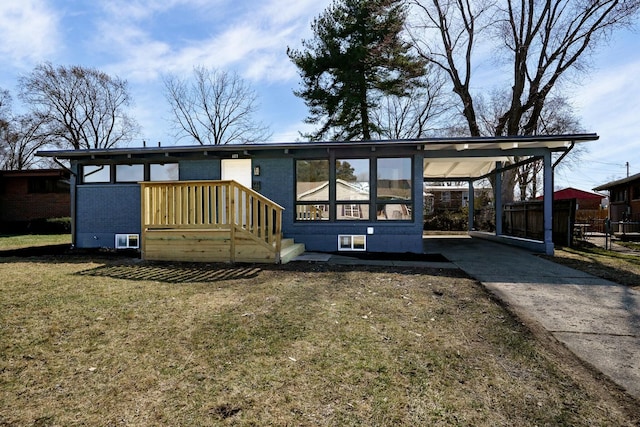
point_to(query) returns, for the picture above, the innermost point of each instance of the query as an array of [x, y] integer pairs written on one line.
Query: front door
[[238, 170]]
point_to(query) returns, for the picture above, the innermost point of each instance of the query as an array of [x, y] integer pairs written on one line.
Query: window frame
[[374, 202], [406, 205], [352, 247], [128, 237], [112, 169], [312, 210], [99, 167], [363, 205], [150, 166], [117, 180]]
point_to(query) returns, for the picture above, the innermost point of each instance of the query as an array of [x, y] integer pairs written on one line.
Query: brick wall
[[17, 204]]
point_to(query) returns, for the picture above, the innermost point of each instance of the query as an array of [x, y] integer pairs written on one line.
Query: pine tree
[[356, 56]]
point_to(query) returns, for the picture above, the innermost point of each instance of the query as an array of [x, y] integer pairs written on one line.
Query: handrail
[[211, 205]]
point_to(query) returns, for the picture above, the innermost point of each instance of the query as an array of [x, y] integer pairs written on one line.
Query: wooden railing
[[213, 206]]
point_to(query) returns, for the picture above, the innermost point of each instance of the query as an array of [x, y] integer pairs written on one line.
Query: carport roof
[[444, 158]]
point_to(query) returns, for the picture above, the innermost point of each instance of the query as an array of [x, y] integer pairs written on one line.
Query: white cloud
[[280, 12], [28, 30], [136, 10], [292, 133], [251, 40]]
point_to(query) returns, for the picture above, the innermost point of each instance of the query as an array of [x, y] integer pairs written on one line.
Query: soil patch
[[387, 256]]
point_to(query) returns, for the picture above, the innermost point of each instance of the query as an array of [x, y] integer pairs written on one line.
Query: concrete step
[[285, 243], [291, 251]]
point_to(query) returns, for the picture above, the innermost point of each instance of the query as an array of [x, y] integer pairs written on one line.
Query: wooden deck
[[209, 221]]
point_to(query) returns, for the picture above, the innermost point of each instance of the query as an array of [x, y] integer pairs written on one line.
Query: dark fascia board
[[612, 184], [241, 148]]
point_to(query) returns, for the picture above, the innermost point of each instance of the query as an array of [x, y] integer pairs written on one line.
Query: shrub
[[38, 226]]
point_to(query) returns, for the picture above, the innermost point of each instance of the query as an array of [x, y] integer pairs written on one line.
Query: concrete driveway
[[597, 320]]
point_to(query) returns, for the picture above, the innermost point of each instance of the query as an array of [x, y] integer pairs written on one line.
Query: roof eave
[[421, 144], [618, 182]]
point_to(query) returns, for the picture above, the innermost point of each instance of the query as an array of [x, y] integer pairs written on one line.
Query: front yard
[[9, 242], [108, 341]]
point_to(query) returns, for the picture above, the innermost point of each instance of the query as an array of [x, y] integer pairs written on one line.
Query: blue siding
[[105, 210], [385, 238], [199, 169], [102, 211], [277, 182]]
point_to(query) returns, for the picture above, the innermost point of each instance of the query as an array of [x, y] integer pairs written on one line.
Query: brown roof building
[[28, 195]]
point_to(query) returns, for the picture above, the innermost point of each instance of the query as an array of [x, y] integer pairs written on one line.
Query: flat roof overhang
[[444, 158]]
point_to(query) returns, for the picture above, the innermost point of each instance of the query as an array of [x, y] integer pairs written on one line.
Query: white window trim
[[352, 244], [129, 237]]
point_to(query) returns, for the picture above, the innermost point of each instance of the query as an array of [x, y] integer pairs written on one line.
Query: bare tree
[[215, 108], [5, 125], [82, 107], [20, 137], [542, 42], [557, 117], [27, 134], [425, 110]]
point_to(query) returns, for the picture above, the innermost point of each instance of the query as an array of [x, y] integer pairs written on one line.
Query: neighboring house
[[624, 198], [347, 191], [585, 200], [589, 206], [28, 195], [238, 202], [444, 198]]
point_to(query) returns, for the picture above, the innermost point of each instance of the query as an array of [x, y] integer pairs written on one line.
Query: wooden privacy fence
[[526, 219], [210, 221]]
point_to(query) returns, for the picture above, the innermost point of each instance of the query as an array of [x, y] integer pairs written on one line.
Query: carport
[[474, 159]]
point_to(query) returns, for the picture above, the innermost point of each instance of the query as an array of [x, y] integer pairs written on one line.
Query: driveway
[[597, 320]]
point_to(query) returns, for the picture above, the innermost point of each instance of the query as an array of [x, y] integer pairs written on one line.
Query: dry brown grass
[[120, 342], [616, 267], [8, 242]]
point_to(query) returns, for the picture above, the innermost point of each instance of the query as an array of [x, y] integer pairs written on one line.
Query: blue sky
[[139, 40]]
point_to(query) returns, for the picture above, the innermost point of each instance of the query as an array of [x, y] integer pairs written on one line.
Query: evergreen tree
[[356, 56]]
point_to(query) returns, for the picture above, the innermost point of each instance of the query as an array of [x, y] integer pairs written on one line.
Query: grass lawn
[[30, 240], [108, 341], [610, 265]]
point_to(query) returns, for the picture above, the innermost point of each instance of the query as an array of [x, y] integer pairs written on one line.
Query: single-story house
[[624, 198], [28, 195], [243, 202]]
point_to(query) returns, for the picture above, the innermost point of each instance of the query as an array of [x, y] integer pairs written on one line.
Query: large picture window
[[346, 191], [312, 190], [352, 189], [394, 189]]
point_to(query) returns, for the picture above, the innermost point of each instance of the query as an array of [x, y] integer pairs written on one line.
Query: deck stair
[[212, 221], [289, 250]]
